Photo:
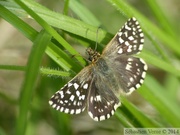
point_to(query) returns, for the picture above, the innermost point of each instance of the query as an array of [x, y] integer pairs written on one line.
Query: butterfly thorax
[[93, 55]]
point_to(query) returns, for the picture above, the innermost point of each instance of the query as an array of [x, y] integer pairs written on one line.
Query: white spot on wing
[[57, 107], [138, 85], [141, 35], [121, 40], [142, 40], [102, 118], [61, 93], [127, 27], [78, 93], [78, 111], [85, 86], [141, 81], [98, 98], [72, 97], [66, 110], [117, 105], [95, 118], [131, 79], [83, 97], [72, 111], [120, 51], [70, 84], [143, 74], [90, 114], [131, 38], [68, 92], [62, 108], [128, 67], [131, 90], [76, 86], [127, 43], [50, 102], [91, 99], [54, 106], [141, 47]]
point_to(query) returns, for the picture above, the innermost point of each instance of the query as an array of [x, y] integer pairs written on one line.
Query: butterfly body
[[98, 86]]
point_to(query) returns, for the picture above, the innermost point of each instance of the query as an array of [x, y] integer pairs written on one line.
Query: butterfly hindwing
[[102, 102], [131, 72]]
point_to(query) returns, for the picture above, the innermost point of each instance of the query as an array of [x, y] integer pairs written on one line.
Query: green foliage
[[162, 54]]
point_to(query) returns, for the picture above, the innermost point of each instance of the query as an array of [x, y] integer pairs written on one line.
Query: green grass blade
[[142, 119], [31, 75], [66, 23], [150, 58], [13, 67], [161, 18], [53, 51], [26, 30], [49, 29], [159, 98], [52, 72], [125, 122], [84, 13]]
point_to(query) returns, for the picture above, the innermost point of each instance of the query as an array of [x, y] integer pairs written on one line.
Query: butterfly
[[116, 71]]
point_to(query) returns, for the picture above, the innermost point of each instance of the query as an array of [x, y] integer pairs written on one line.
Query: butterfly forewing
[[128, 40], [71, 98]]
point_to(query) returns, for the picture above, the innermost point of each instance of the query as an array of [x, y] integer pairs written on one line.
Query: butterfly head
[[93, 55]]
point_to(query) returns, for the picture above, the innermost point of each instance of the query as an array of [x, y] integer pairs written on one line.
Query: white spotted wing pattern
[[98, 86]]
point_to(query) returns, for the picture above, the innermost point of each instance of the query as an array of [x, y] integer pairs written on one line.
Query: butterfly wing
[[86, 89], [128, 40], [102, 102], [130, 71], [73, 96]]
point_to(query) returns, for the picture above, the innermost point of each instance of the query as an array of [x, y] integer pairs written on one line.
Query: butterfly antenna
[[96, 38]]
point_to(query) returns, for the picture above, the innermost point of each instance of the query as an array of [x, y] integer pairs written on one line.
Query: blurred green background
[[25, 90]]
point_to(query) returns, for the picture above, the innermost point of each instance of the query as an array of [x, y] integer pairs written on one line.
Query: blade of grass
[[27, 30], [172, 85], [66, 23], [161, 18], [49, 29], [159, 63], [159, 98], [31, 75], [13, 67], [123, 119], [52, 50], [52, 72], [66, 7], [84, 13], [143, 119]]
